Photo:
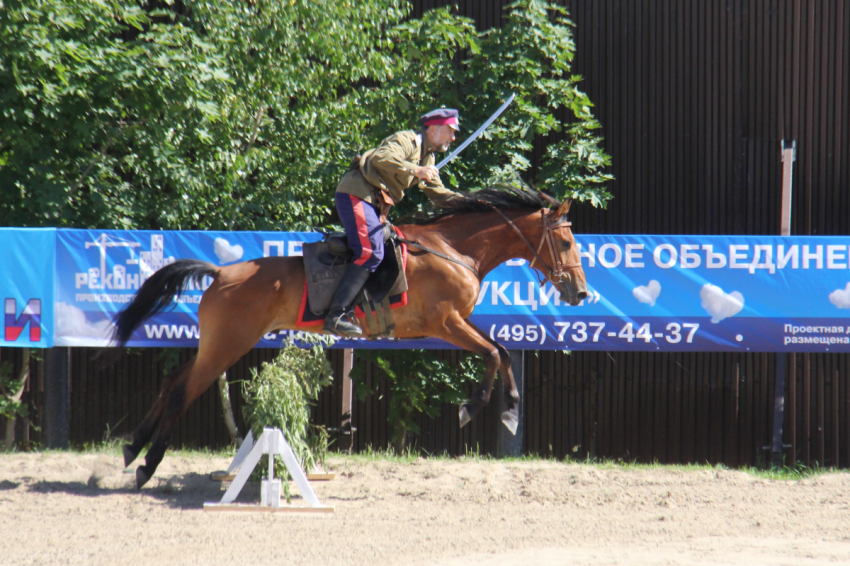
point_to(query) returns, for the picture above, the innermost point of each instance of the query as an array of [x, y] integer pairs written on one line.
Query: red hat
[[442, 116]]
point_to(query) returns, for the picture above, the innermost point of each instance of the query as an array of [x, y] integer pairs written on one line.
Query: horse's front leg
[[510, 417], [462, 333]]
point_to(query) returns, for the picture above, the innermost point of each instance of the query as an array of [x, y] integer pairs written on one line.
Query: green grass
[[786, 473], [796, 473], [799, 472]]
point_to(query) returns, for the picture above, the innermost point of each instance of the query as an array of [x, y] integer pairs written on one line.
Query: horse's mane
[[485, 200]]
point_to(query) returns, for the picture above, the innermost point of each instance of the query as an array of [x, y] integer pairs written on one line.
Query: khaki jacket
[[390, 167]]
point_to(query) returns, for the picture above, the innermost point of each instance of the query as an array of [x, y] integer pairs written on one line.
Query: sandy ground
[[67, 508]]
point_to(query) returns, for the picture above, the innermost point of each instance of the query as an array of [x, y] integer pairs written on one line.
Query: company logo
[[31, 315], [148, 263]]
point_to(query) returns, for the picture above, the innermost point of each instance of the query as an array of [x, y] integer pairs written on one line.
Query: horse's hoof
[[129, 455], [463, 414], [142, 477], [510, 421]]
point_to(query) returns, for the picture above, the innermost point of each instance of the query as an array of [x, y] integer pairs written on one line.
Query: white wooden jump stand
[[271, 442]]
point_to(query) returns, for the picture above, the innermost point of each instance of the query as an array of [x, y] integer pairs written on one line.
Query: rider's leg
[[365, 238], [341, 311]]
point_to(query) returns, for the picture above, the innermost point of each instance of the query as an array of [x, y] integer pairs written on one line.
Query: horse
[[450, 252]]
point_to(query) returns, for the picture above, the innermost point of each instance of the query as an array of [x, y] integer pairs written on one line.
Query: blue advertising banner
[[647, 293], [27, 257], [682, 293]]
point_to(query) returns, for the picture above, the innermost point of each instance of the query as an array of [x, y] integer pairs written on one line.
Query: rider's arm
[[434, 190], [395, 161]]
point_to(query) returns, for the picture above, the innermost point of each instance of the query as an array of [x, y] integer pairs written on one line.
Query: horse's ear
[[547, 198], [564, 208]]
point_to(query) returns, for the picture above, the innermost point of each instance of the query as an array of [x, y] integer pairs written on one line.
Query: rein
[[438, 254], [557, 274]]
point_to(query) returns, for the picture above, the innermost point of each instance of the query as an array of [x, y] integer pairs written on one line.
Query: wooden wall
[[647, 407]]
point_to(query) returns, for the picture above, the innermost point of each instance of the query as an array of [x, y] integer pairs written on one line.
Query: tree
[[244, 115]]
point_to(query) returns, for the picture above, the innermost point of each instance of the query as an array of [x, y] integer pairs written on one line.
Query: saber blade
[[477, 133]]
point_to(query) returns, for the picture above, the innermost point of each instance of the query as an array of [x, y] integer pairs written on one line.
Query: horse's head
[[566, 272]]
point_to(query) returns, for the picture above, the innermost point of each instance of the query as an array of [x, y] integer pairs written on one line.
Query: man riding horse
[[365, 194]]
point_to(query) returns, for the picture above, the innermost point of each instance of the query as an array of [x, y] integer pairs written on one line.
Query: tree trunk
[[400, 441], [10, 422], [227, 408]]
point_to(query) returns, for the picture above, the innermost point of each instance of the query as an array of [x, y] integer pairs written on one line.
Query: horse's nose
[[582, 295]]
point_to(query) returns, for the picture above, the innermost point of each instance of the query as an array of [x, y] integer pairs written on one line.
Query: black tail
[[157, 294]]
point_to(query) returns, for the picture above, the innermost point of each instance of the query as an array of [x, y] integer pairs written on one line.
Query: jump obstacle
[[271, 442]]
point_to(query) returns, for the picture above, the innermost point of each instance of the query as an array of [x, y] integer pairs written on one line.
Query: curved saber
[[477, 133]]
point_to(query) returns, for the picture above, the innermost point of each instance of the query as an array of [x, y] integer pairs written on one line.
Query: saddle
[[326, 261]]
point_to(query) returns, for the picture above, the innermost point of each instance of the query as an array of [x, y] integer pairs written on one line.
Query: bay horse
[[477, 231]]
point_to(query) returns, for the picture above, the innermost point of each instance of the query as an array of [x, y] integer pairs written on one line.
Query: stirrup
[[340, 326]]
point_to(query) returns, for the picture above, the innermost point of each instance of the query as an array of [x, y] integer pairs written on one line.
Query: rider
[[365, 194]]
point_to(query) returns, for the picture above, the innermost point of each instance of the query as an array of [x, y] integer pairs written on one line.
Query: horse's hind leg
[[144, 432], [197, 376], [224, 339]]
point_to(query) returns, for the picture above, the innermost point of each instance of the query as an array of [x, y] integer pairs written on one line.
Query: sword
[[477, 133]]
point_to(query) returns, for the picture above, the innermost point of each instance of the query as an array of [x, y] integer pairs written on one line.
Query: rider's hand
[[427, 173]]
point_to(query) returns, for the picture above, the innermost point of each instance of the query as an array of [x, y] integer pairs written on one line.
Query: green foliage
[[244, 115], [100, 103], [224, 115], [10, 406], [279, 396], [170, 359], [418, 383]]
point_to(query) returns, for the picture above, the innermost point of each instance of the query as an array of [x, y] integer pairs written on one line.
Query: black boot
[[340, 310]]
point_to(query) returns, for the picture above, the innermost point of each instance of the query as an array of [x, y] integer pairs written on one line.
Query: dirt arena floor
[[68, 508]]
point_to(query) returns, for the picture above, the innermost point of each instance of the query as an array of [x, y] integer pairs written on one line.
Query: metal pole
[[57, 397], [508, 444]]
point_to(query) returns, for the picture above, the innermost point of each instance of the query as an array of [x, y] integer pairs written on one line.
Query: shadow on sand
[[187, 491]]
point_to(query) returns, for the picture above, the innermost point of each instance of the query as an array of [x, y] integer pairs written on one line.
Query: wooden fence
[[647, 407]]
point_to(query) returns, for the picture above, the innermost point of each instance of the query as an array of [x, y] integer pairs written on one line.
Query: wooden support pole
[[836, 422], [57, 397], [346, 430], [792, 407], [789, 151], [507, 444], [789, 155]]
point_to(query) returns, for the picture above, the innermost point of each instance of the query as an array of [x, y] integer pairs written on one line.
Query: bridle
[[558, 273]]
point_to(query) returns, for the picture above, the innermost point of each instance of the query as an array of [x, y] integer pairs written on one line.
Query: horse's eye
[[566, 244]]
